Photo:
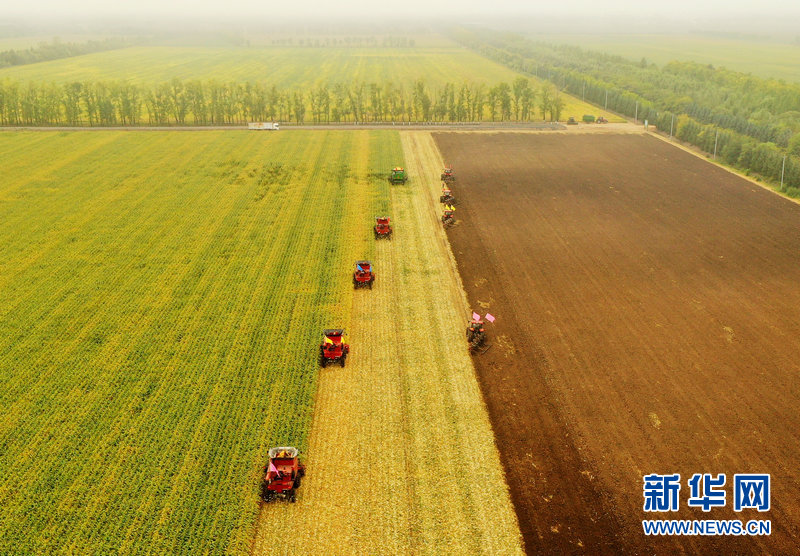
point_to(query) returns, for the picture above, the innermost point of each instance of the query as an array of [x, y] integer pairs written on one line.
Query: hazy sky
[[402, 9]]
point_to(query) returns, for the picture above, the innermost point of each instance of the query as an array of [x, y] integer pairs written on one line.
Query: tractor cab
[[382, 228], [398, 175], [282, 474], [333, 349], [363, 275], [447, 173]]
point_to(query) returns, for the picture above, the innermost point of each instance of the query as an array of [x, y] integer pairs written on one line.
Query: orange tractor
[[476, 334], [282, 474], [363, 276], [447, 173], [333, 349], [382, 228], [447, 195], [449, 216]]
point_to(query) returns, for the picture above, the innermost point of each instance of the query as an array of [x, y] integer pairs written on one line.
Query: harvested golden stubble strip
[[401, 457]]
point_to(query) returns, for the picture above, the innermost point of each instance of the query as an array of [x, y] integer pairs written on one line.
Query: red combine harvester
[[449, 216], [333, 349], [363, 275], [476, 335], [382, 228], [447, 195], [447, 173], [282, 474]]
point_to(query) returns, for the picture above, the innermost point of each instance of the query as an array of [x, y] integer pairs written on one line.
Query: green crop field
[[161, 299], [763, 59], [288, 68], [281, 66]]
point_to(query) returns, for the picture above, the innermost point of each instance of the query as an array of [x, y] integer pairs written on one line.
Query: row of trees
[[220, 103], [763, 158], [355, 42], [767, 110], [57, 49], [701, 105]]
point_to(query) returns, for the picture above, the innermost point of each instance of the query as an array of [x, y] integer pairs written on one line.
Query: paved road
[[286, 127]]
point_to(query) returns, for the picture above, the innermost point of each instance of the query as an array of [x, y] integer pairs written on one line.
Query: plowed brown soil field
[[648, 321]]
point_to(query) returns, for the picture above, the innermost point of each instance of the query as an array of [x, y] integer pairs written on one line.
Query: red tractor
[[447, 195], [282, 474], [382, 228], [449, 216], [363, 276], [333, 349], [476, 335], [447, 173], [601, 120]]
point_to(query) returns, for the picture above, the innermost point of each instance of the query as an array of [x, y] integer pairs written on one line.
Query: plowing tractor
[[447, 196], [398, 175], [476, 335], [363, 276], [449, 216], [282, 474], [601, 120], [447, 174], [333, 349], [382, 228]]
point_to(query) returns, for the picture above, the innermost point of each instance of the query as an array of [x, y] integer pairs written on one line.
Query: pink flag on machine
[[476, 316], [272, 468], [489, 317]]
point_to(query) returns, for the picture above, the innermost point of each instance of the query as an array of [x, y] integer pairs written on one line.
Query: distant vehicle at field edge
[[264, 125]]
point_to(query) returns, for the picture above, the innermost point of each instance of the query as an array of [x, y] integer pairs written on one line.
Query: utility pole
[[636, 115], [606, 99], [716, 137], [783, 168], [671, 125], [583, 91]]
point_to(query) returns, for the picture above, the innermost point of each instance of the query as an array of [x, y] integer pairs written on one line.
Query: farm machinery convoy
[[284, 471]]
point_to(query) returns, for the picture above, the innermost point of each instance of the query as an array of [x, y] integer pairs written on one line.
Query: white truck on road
[[264, 125]]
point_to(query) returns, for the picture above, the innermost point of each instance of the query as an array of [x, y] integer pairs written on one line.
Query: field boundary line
[[460, 297], [425, 167]]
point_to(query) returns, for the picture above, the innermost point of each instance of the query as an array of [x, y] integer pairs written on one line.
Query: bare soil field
[[648, 321]]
